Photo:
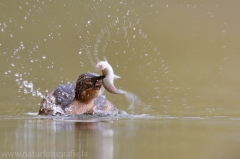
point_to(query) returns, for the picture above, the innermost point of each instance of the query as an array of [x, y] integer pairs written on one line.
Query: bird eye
[[90, 85]]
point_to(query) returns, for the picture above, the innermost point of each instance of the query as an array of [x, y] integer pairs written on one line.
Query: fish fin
[[116, 77], [105, 59]]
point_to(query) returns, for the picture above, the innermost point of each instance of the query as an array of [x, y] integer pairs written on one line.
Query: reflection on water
[[72, 139], [136, 137]]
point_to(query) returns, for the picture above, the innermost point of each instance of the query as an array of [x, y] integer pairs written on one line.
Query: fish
[[108, 81]]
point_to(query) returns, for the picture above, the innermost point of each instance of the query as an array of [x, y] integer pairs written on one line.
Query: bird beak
[[98, 80]]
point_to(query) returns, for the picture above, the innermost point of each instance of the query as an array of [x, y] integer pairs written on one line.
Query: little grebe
[[84, 97]]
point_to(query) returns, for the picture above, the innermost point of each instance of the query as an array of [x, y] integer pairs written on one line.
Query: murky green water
[[181, 58], [139, 137]]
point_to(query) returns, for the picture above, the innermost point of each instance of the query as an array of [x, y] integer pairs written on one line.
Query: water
[[180, 58], [141, 137]]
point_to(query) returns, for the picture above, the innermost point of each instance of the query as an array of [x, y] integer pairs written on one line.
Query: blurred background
[[178, 57], [181, 58]]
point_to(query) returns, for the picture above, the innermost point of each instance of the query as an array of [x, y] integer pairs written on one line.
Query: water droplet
[[44, 57], [59, 26], [25, 91], [80, 52], [25, 17], [12, 64], [28, 84], [33, 93], [89, 21], [2, 29]]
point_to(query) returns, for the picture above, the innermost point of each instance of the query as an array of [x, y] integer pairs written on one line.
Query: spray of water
[[135, 102], [56, 109], [94, 44]]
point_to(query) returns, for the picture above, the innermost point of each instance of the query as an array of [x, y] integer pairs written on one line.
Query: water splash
[[122, 30], [135, 102], [55, 108]]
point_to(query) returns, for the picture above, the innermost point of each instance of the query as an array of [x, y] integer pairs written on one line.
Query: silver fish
[[108, 81]]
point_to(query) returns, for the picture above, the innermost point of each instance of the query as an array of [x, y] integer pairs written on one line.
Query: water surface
[[139, 137], [180, 57]]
